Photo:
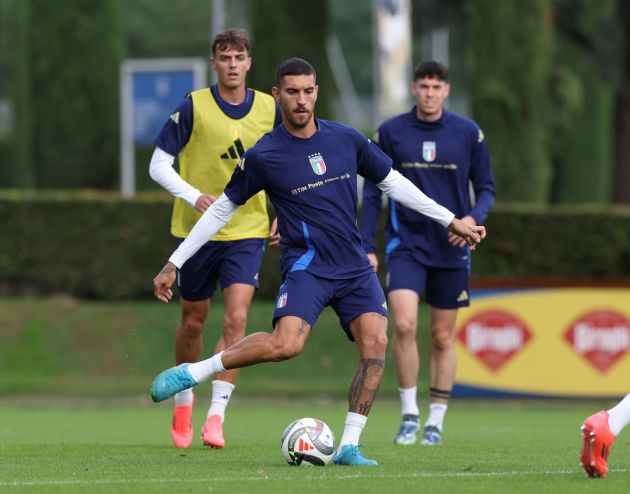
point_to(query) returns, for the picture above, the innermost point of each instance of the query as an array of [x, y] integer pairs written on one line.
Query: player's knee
[[192, 327], [374, 341], [235, 322], [405, 327], [287, 350], [442, 340]]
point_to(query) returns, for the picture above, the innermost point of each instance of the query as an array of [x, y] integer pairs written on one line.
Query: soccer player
[[441, 153], [599, 431], [209, 132], [308, 167]]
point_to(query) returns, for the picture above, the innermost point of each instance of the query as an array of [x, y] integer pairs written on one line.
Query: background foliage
[[544, 78], [510, 66], [66, 93], [101, 248]]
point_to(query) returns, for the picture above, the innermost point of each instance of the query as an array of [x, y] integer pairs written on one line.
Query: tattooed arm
[[163, 282]]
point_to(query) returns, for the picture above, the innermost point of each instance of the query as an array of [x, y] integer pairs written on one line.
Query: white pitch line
[[18, 483]]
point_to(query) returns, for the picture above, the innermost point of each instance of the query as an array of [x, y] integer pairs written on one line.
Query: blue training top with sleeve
[[440, 158], [312, 183]]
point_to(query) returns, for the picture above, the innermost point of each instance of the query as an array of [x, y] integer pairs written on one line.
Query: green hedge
[[102, 247]]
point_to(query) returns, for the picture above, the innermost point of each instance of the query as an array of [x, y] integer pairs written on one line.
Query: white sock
[[436, 415], [408, 401], [221, 392], [184, 397], [355, 423], [200, 371], [619, 416]]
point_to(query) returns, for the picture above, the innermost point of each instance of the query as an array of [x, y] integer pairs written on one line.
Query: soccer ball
[[309, 442]]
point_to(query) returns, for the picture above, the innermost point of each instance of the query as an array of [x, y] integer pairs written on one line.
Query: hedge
[[98, 246]]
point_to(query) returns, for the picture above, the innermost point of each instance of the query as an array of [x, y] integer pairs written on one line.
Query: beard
[[299, 120]]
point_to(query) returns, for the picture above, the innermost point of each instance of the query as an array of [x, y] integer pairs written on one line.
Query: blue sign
[[155, 95]]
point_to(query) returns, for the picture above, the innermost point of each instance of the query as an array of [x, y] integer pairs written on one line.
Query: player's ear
[[275, 92]]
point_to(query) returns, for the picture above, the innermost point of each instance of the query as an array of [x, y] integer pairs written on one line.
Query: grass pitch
[[488, 447]]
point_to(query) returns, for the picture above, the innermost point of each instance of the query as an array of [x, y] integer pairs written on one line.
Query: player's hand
[[274, 233], [466, 233], [203, 202], [373, 260], [456, 240], [163, 282]]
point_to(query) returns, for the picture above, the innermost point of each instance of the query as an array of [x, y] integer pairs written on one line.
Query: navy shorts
[[443, 288], [305, 295], [229, 262]]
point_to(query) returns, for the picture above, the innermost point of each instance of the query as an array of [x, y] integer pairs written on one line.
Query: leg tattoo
[[365, 384]]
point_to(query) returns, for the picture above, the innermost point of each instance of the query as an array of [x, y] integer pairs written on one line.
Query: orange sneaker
[[212, 432], [596, 442], [181, 427]]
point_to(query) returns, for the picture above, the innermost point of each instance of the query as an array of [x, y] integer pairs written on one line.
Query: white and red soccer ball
[[308, 442]]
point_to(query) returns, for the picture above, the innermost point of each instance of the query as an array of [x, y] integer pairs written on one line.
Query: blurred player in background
[[599, 431], [309, 168], [209, 131], [441, 153]]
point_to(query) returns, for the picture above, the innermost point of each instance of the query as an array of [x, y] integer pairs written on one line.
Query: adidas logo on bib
[[235, 151]]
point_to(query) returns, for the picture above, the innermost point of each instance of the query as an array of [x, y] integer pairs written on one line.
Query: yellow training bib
[[210, 156]]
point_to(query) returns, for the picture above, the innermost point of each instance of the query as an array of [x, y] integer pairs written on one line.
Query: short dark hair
[[431, 70], [294, 66], [231, 38]]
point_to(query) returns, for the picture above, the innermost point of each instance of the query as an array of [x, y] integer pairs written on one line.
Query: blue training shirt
[[439, 158], [312, 184]]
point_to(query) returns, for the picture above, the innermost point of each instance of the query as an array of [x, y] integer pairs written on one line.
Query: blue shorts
[[229, 262], [443, 288], [305, 295]]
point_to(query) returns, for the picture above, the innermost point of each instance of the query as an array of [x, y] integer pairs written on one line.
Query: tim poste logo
[[602, 337], [494, 337]]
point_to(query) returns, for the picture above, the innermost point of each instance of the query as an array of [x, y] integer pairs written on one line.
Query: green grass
[[66, 347], [489, 447], [64, 364]]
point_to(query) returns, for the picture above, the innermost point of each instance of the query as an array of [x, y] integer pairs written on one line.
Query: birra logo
[[494, 337], [602, 337], [317, 163], [428, 151]]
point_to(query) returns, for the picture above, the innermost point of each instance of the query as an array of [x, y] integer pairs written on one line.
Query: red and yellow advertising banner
[[560, 342]]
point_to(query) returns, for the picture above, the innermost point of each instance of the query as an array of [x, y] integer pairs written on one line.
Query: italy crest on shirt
[[317, 163], [428, 150], [282, 300]]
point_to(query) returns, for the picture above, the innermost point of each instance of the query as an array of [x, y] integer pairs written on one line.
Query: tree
[[582, 86], [285, 28], [621, 177], [69, 77], [22, 172], [510, 57]]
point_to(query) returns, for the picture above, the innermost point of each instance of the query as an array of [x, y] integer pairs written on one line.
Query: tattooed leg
[[365, 384], [370, 334]]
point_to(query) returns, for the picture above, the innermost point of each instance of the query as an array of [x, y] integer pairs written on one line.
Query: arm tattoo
[[365, 384], [303, 327]]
